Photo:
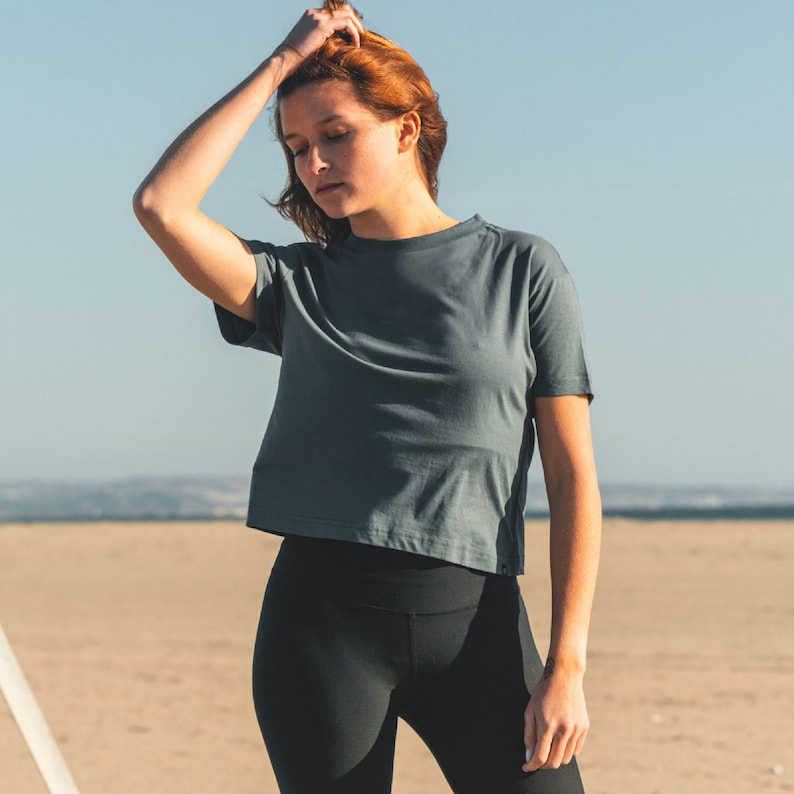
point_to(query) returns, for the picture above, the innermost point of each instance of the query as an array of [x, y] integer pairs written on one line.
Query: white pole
[[31, 722]]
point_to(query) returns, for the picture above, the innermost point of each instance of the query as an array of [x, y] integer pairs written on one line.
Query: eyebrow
[[333, 117]]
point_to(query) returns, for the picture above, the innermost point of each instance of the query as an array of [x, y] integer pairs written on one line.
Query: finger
[[358, 20], [530, 734], [541, 754], [555, 753], [580, 742], [355, 19], [346, 21], [528, 765], [564, 747], [570, 751], [354, 33]]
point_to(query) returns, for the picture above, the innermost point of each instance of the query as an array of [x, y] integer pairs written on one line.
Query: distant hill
[[202, 499], [159, 499], [697, 502]]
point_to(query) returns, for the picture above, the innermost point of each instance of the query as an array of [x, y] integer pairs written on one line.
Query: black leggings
[[351, 637]]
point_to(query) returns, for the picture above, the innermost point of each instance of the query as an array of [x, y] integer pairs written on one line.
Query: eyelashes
[[301, 150]]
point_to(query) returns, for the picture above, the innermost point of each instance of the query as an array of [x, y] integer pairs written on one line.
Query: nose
[[315, 163]]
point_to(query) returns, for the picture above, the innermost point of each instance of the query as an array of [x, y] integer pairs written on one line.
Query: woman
[[420, 355]]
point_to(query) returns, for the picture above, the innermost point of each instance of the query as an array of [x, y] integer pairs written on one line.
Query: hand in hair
[[319, 24]]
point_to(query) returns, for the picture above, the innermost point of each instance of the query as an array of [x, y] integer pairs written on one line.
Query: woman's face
[[353, 164]]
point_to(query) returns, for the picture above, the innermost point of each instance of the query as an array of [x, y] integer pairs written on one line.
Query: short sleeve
[[556, 331], [265, 333]]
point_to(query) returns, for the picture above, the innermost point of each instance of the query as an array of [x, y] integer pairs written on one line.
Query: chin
[[333, 209], [336, 215]]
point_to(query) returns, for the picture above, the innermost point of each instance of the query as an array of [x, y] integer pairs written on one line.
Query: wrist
[[286, 58], [560, 662]]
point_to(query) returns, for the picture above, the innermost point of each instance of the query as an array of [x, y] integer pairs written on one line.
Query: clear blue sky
[[650, 142]]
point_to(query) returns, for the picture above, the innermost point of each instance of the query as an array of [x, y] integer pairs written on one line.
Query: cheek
[[372, 165], [299, 172]]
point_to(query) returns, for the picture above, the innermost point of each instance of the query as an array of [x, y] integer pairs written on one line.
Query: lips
[[326, 188]]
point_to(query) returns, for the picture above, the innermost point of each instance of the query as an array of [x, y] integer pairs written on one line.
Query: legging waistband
[[384, 578]]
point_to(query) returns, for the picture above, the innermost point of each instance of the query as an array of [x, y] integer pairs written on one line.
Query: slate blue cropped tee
[[403, 416]]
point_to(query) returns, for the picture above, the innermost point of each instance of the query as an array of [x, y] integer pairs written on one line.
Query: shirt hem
[[385, 537]]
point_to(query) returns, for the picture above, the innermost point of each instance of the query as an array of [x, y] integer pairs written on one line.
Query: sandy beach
[[136, 639]]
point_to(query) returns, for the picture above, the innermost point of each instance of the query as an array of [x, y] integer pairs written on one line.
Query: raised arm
[[207, 255], [556, 720]]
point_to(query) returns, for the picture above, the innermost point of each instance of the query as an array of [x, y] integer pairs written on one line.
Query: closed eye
[[337, 138]]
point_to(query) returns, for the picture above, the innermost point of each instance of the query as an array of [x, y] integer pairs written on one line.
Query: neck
[[414, 215]]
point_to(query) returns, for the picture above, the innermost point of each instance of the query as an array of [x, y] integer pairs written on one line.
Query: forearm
[[190, 165], [194, 160], [206, 253], [574, 548], [556, 721]]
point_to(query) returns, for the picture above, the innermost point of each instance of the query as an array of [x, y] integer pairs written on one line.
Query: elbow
[[159, 211], [148, 210]]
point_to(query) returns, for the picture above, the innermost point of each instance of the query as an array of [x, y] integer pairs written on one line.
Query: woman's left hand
[[555, 721]]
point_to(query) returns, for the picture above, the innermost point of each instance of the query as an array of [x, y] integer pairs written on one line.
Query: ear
[[409, 129]]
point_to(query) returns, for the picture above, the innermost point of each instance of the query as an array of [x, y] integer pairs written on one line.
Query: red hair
[[390, 83]]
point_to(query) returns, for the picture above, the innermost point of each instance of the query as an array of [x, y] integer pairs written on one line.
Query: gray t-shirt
[[403, 416]]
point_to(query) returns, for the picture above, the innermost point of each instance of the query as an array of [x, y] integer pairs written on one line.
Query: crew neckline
[[420, 243]]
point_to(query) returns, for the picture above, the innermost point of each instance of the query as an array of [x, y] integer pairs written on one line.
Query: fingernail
[[528, 755]]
